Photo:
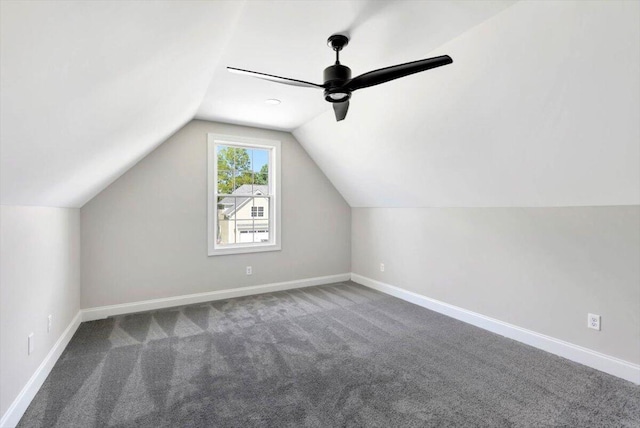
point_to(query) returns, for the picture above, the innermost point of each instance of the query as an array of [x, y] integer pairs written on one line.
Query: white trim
[[588, 357], [19, 406], [101, 312], [579, 354], [275, 206]]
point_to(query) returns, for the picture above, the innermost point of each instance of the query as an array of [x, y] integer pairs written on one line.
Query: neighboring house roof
[[233, 204]]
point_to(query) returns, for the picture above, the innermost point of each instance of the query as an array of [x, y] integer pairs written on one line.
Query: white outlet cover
[[381, 267], [249, 270], [593, 321], [49, 323]]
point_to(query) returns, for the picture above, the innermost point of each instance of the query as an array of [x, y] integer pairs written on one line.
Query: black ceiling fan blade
[[386, 74], [272, 78], [340, 110]]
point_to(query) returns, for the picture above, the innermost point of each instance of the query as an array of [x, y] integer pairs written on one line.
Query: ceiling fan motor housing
[[335, 76]]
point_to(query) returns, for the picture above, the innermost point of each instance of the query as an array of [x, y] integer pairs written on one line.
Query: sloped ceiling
[[89, 88], [289, 38], [539, 108]]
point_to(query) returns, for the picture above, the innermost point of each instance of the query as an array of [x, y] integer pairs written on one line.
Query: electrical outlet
[[30, 344], [49, 322], [381, 267], [249, 270], [593, 321]]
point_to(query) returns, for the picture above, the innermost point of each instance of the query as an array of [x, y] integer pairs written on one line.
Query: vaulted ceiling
[[89, 88], [290, 39], [539, 108]]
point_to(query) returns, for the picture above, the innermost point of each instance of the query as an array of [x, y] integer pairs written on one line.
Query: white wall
[[542, 269], [145, 236], [39, 275]]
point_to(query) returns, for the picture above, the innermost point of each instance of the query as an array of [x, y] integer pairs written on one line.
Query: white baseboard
[[101, 312], [579, 354], [585, 356], [19, 406]]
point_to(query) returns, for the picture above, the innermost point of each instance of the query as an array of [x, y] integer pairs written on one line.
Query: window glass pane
[[238, 166], [243, 183], [242, 159], [260, 235], [226, 158], [261, 181], [243, 211], [261, 169], [226, 232], [261, 223], [245, 235], [225, 182], [233, 232], [242, 168], [226, 205], [235, 162], [260, 206], [260, 159]]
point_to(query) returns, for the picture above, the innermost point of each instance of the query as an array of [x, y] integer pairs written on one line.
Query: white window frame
[[275, 206]]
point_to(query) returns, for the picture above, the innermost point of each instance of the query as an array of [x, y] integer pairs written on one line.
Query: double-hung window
[[244, 195]]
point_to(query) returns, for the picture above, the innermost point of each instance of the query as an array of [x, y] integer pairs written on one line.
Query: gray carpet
[[329, 356]]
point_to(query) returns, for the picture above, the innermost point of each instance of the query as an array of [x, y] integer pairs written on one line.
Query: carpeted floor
[[329, 356]]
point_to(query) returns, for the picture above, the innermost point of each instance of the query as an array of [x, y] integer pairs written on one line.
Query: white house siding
[[241, 227]]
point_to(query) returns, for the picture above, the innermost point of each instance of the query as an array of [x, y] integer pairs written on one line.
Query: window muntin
[[244, 203]]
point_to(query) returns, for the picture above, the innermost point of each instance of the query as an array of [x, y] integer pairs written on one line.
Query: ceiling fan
[[338, 84]]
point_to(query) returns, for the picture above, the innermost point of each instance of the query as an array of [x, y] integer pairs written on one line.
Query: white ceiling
[[541, 107], [525, 116], [289, 39], [89, 88]]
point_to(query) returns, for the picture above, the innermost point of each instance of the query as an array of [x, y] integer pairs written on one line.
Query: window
[[257, 211], [244, 195]]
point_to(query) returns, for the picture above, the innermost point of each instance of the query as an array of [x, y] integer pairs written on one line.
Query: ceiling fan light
[[338, 96]]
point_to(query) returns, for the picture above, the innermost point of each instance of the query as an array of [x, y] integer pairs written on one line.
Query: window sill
[[244, 250]]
